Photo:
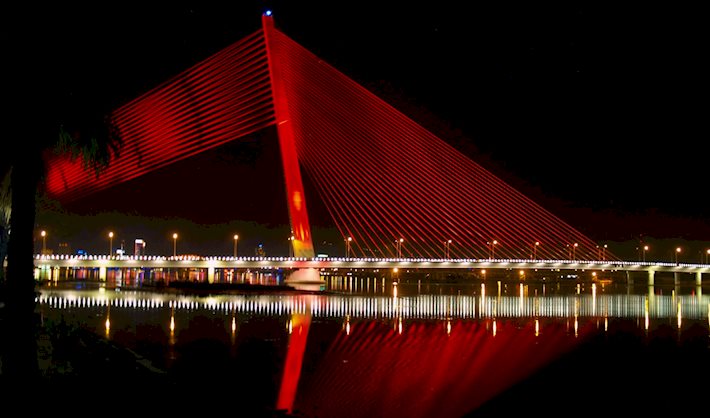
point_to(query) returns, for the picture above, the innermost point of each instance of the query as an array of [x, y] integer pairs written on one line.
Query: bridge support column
[[651, 275], [676, 278], [102, 273], [699, 278], [210, 274]]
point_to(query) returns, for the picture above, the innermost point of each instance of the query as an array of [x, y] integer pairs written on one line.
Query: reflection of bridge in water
[[590, 305]]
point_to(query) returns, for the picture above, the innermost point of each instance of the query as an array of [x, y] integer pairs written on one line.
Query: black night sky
[[591, 109]]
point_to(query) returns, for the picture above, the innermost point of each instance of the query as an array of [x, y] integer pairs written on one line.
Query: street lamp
[[707, 256], [290, 245], [677, 251], [447, 249], [110, 243], [492, 248], [604, 252], [174, 244], [574, 250], [347, 246], [401, 240], [44, 241], [236, 239], [537, 244], [645, 248]]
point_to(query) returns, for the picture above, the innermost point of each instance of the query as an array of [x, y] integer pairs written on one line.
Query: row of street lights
[[492, 244], [398, 247]]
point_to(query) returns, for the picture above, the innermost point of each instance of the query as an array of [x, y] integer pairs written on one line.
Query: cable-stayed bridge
[[391, 187]]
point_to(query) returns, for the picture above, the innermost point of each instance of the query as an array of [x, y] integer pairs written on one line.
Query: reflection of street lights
[[174, 244], [44, 242], [537, 244], [677, 251], [645, 248], [110, 243], [347, 246], [236, 239], [447, 249]]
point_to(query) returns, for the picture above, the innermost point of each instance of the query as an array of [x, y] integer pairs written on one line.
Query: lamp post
[[175, 244], [447, 249], [290, 245], [110, 243], [401, 241], [604, 253], [348, 241], [677, 251], [574, 251], [492, 249], [236, 239], [707, 256], [645, 248], [43, 233], [535, 245]]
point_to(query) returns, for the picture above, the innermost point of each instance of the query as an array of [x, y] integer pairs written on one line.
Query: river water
[[368, 347]]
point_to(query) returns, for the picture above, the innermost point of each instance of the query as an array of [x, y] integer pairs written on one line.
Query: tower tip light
[[268, 12]]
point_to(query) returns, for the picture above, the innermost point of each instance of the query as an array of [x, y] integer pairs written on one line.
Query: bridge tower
[[296, 199]]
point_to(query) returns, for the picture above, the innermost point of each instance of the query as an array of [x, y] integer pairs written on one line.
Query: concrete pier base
[[305, 279]]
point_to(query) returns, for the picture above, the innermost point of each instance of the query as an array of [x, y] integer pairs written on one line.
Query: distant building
[[139, 247], [260, 251]]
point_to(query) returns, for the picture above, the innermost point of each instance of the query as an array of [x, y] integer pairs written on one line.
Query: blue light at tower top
[[268, 12]]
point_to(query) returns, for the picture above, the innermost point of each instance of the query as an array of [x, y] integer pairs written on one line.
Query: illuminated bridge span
[[391, 187], [330, 263], [587, 305]]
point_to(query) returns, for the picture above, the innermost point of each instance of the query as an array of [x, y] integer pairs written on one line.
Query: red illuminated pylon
[[296, 197]]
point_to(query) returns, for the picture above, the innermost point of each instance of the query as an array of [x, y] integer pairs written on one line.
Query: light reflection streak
[[537, 327], [107, 324], [416, 306], [646, 322]]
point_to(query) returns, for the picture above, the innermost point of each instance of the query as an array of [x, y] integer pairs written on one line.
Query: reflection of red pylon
[[298, 328]]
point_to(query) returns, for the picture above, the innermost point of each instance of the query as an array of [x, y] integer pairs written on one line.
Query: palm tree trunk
[[20, 333]]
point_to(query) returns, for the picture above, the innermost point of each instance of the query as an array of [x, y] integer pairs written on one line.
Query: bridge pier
[[676, 278], [102, 273], [305, 279], [651, 275], [699, 278], [210, 274]]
